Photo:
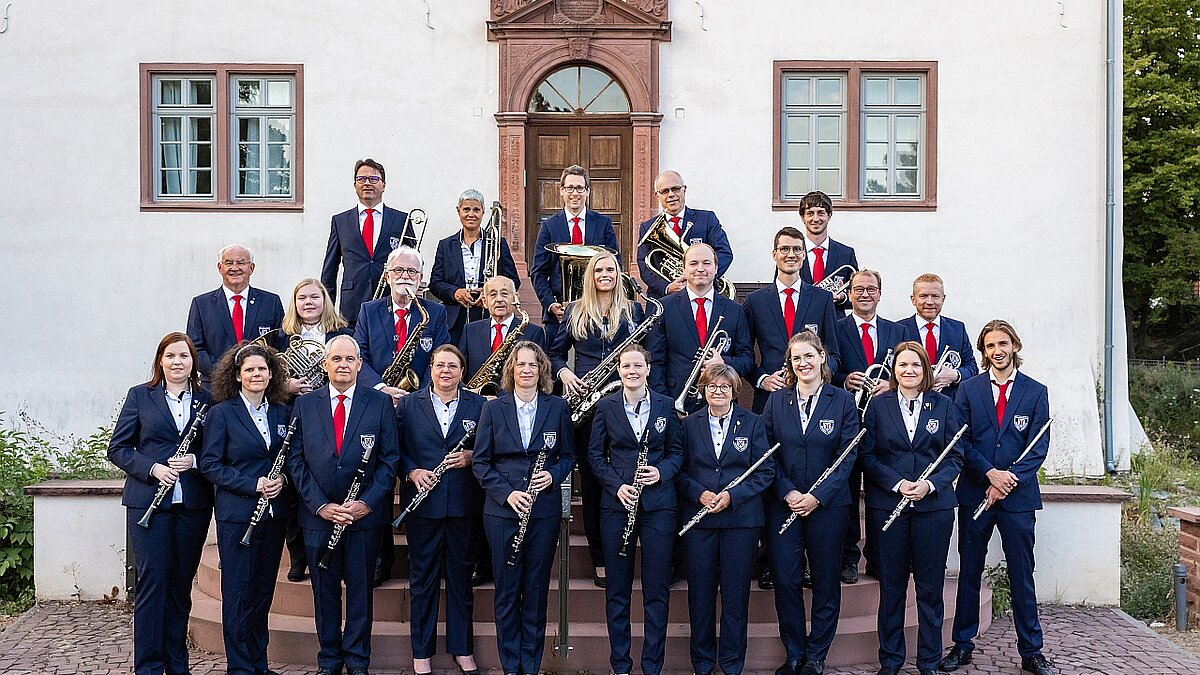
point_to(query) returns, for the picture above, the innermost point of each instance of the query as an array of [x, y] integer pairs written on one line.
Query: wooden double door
[[605, 149]]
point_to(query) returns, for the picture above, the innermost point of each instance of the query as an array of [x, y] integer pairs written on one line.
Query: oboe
[[355, 485], [986, 503], [828, 472], [184, 446], [631, 518], [539, 464], [440, 469], [704, 510], [260, 509], [924, 475]]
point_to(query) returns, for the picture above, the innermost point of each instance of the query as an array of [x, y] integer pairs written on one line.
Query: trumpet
[[718, 341], [875, 373], [665, 257], [416, 218], [838, 281], [924, 475], [949, 359]]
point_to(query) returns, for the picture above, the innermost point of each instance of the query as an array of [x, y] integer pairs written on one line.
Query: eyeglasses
[[405, 272], [676, 189], [574, 188], [864, 290], [235, 263], [789, 250], [720, 388], [368, 179], [801, 358]]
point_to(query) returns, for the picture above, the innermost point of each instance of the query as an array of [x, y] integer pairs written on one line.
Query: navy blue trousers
[[352, 563], [656, 531], [521, 590], [166, 556], [1016, 535], [816, 537], [918, 541], [719, 558], [439, 548], [247, 587]]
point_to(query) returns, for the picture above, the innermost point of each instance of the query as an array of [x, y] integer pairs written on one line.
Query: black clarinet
[[631, 519], [182, 450], [260, 509], [422, 493], [539, 464], [351, 495]]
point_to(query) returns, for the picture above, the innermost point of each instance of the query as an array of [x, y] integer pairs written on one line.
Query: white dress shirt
[[445, 412], [313, 332], [571, 223], [376, 218], [708, 302], [718, 429], [812, 257], [258, 414], [333, 399], [806, 407], [245, 293], [1012, 377], [526, 414], [858, 324], [937, 331], [638, 413], [910, 423], [470, 258], [181, 412]]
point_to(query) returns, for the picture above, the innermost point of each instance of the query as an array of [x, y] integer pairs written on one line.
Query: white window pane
[[611, 100], [201, 128], [906, 182], [248, 155], [171, 184], [877, 128], [171, 156], [829, 181], [566, 82], [200, 182], [799, 155], [877, 155], [279, 129], [798, 127], [249, 92], [170, 92], [591, 83], [279, 92], [281, 183], [828, 155], [877, 91], [908, 91], [170, 128], [906, 155], [797, 91], [798, 182], [278, 156], [248, 129], [200, 92], [877, 181], [829, 128], [906, 127], [546, 99], [248, 182], [201, 155], [829, 91]]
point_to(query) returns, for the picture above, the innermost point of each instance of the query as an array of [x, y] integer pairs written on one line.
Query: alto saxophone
[[718, 340], [631, 518], [400, 374], [486, 380], [539, 464]]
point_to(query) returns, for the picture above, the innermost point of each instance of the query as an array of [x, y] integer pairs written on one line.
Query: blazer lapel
[[391, 229], [510, 416], [243, 416], [1016, 391], [356, 413], [326, 417], [158, 394], [425, 399], [922, 433], [735, 426], [250, 330], [539, 419], [775, 310], [819, 409], [220, 307], [685, 315], [891, 403]]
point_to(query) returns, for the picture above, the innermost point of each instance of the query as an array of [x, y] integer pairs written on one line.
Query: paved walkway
[[93, 639]]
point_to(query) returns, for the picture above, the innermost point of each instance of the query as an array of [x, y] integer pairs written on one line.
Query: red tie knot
[[700, 302], [789, 292], [865, 328], [237, 299], [929, 326], [575, 221], [341, 399], [401, 313], [818, 250]]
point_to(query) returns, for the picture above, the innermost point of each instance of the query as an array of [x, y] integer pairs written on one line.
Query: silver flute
[[828, 472], [631, 518], [987, 503], [705, 510], [539, 464], [924, 475]]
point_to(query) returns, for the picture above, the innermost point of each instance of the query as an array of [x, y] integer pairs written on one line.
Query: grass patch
[[1147, 554], [1166, 397]]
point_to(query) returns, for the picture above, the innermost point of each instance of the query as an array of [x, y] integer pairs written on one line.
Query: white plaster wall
[[78, 546]]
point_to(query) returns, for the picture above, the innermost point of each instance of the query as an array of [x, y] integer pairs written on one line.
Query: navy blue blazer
[[211, 328], [234, 457], [699, 227], [423, 447], [590, 351], [476, 344], [954, 336], [803, 456], [360, 272], [673, 342], [375, 333], [145, 435], [702, 470], [449, 275], [838, 254], [995, 447], [851, 358], [501, 465], [613, 451], [545, 273], [321, 476], [888, 456], [764, 317]]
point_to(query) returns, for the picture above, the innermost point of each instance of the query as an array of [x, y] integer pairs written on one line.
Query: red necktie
[[239, 318], [339, 424], [789, 311], [401, 328], [930, 344], [497, 338], [1001, 403], [868, 344], [576, 233], [369, 233], [818, 265], [675, 226], [701, 320]]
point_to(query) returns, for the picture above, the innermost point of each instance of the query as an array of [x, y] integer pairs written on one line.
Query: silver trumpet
[[837, 281], [948, 359], [987, 503], [875, 373], [828, 472], [718, 341], [924, 475]]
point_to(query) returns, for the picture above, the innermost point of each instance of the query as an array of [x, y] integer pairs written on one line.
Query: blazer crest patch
[[1021, 422], [550, 439], [367, 441], [660, 424], [811, 327], [695, 240], [395, 242], [741, 443], [426, 343], [468, 425], [932, 426], [281, 429], [263, 330], [826, 427]]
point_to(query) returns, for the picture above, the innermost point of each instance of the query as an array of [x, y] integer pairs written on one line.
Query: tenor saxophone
[[400, 374]]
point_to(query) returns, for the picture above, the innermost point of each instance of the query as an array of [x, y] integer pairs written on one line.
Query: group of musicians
[[482, 415]]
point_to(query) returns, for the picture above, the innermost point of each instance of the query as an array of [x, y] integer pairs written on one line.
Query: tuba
[[416, 218], [717, 342], [838, 281], [486, 380], [665, 257], [400, 374]]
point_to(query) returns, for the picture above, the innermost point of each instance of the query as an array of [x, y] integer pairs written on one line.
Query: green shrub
[[997, 576], [1147, 554], [1166, 397]]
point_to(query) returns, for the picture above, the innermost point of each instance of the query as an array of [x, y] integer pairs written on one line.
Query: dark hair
[[508, 379], [868, 272], [788, 231], [912, 346], [462, 360], [225, 384], [575, 170], [725, 371], [805, 336], [1004, 327], [157, 376], [816, 198], [373, 164]]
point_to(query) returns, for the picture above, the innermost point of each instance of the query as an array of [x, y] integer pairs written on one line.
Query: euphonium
[[416, 218], [400, 374], [486, 380], [718, 341], [837, 281], [665, 257]]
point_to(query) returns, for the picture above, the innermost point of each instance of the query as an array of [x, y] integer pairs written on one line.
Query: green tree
[[1162, 174]]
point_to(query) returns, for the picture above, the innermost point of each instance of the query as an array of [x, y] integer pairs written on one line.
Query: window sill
[[280, 207], [880, 205]]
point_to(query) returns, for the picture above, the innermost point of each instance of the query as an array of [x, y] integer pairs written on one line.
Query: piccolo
[[705, 510], [184, 446], [355, 486], [987, 503], [440, 469], [260, 509], [924, 475], [828, 472], [539, 465], [631, 518]]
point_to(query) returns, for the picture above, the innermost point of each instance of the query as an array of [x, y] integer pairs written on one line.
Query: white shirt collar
[[1011, 376], [334, 393], [859, 321], [245, 293], [582, 216], [261, 408], [937, 321], [707, 296], [378, 208], [824, 243], [506, 322], [780, 287]]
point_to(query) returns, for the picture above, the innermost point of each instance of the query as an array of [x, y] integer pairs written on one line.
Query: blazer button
[[997, 445]]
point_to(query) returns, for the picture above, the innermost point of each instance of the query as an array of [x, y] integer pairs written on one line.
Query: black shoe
[[812, 668], [766, 581], [954, 659], [337, 670], [887, 670], [358, 671], [598, 580], [807, 580], [1037, 664], [481, 575], [788, 668], [850, 574], [927, 671], [296, 574], [381, 575]]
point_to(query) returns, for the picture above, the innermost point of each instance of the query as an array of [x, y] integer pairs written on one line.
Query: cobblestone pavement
[[94, 639]]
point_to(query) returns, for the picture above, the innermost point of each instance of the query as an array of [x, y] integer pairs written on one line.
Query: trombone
[[416, 218]]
